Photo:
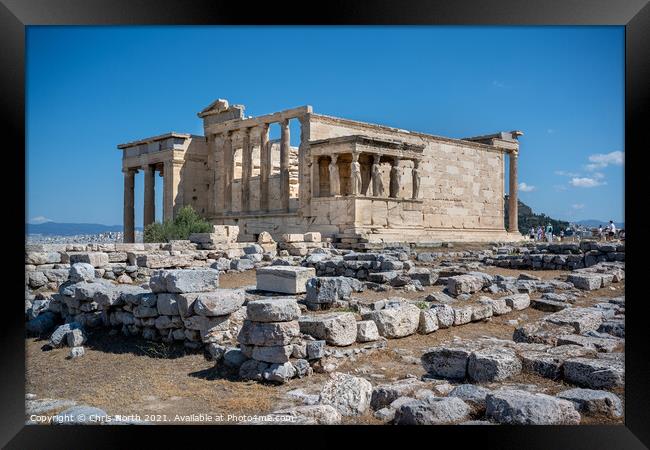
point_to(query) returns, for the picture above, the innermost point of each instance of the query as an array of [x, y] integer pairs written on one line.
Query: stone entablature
[[345, 177]]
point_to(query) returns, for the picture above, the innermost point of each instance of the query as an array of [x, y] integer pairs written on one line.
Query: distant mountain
[[596, 223], [527, 218], [71, 229]]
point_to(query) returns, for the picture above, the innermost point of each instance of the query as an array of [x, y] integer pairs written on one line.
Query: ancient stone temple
[[351, 181]]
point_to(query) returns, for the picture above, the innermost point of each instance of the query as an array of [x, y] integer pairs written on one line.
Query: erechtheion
[[351, 181]]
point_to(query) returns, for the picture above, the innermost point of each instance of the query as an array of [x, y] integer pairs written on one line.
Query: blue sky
[[91, 88]]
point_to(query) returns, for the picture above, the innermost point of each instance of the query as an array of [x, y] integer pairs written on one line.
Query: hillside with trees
[[527, 219]]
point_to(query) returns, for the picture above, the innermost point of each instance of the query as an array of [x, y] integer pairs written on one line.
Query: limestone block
[[268, 334], [428, 321], [447, 362], [462, 315], [581, 319], [367, 331], [348, 394], [273, 310], [517, 301], [312, 236], [336, 328], [284, 279], [287, 238], [397, 321], [276, 354], [185, 281], [159, 261], [385, 394], [96, 259], [509, 406], [466, 284], [493, 364], [594, 402], [219, 302]]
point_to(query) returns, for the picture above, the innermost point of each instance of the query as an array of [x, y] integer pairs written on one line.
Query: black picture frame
[[15, 15]]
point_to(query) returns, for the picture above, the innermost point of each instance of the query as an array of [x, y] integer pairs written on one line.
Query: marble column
[[172, 193], [305, 161], [247, 167], [265, 167], [395, 179], [335, 181], [149, 195], [355, 175], [129, 213], [377, 181], [315, 176], [215, 150], [513, 203], [416, 179], [284, 164], [229, 171]]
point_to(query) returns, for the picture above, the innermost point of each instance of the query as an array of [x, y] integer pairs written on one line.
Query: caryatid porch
[[361, 178]]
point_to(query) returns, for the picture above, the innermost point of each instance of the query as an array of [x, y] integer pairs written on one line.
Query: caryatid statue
[[395, 179], [377, 181], [416, 178], [335, 183], [355, 174]]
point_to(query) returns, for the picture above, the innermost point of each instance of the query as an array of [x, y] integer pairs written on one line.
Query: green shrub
[[186, 222], [423, 305]]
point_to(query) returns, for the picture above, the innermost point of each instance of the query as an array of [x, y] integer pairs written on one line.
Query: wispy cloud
[[586, 182], [578, 206], [564, 173], [39, 219], [602, 160], [523, 187]]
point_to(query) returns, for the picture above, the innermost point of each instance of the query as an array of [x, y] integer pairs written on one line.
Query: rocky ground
[[152, 382]]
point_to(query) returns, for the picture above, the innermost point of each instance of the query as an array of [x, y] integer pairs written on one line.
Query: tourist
[[540, 233], [611, 230], [531, 233], [600, 232], [561, 235], [549, 232]]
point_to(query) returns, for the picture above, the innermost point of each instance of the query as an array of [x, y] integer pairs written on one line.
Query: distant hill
[[527, 219], [71, 229], [596, 223]]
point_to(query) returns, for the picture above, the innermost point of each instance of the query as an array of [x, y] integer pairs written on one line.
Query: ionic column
[[229, 171], [284, 164], [315, 176], [395, 179], [513, 204], [218, 172], [247, 166], [265, 167], [129, 213], [305, 170], [172, 193], [149, 194]]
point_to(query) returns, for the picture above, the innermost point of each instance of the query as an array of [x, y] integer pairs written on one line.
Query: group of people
[[546, 233], [543, 234], [607, 233]]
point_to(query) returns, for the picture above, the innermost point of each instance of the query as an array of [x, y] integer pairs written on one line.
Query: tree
[[186, 222]]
